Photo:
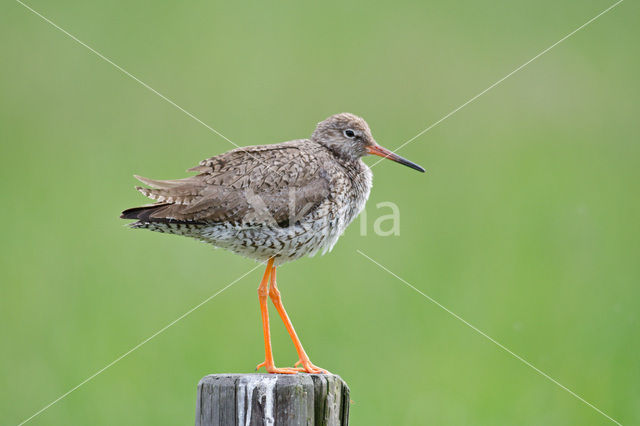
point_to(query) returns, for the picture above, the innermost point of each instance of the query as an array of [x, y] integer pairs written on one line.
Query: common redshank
[[272, 203]]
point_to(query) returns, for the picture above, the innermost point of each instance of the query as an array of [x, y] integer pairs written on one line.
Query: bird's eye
[[350, 133]]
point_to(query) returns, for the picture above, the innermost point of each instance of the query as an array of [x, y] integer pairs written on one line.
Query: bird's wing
[[271, 184]]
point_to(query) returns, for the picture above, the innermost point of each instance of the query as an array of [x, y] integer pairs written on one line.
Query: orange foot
[[308, 367], [272, 369]]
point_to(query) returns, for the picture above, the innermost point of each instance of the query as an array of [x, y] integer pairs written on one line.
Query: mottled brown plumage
[[227, 187]]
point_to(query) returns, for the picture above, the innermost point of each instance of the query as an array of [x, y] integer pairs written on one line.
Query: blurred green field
[[526, 223]]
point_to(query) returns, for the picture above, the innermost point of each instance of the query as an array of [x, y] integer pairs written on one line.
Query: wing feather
[[255, 185]]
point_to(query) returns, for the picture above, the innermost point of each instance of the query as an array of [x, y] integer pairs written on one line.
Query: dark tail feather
[[143, 214]]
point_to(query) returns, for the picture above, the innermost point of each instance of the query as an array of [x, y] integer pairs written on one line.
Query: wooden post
[[272, 399]]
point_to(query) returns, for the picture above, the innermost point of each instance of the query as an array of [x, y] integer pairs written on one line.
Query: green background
[[526, 223]]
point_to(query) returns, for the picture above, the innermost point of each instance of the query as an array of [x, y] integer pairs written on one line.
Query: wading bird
[[272, 203]]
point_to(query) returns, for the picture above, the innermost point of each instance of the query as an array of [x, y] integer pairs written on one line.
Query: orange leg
[[274, 293], [263, 292]]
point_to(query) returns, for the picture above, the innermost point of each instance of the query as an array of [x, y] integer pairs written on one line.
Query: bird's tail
[[143, 213], [179, 191], [172, 198]]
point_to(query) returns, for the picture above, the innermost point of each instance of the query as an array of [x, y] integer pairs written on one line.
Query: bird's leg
[[274, 293], [263, 292]]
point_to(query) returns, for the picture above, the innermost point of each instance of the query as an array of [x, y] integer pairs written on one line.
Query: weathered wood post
[[272, 399]]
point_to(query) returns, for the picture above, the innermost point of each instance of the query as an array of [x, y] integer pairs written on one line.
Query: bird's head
[[348, 136]]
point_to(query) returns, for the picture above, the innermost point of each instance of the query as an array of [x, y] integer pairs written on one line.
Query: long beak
[[385, 153]]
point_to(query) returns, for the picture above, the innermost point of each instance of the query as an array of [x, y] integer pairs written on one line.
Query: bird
[[271, 203]]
